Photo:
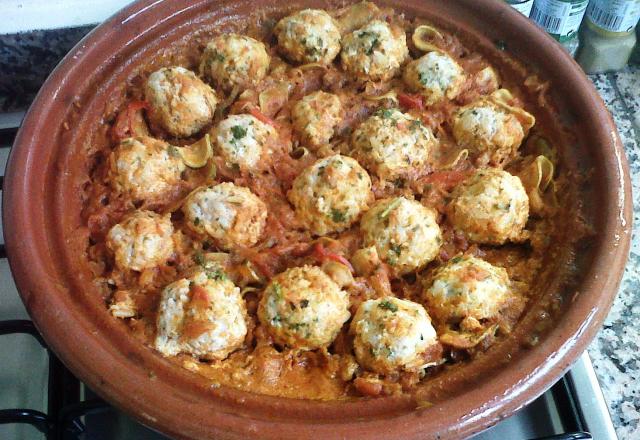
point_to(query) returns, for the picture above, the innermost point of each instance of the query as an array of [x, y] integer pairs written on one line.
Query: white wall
[[27, 15]]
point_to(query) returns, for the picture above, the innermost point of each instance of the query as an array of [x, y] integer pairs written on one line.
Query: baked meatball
[[467, 288], [374, 52], [492, 132], [145, 168], [404, 232], [330, 194], [244, 141], [232, 60], [308, 36], [204, 316], [390, 143], [491, 207], [230, 214], [179, 101], [303, 308], [315, 118], [141, 241], [435, 75], [392, 334]]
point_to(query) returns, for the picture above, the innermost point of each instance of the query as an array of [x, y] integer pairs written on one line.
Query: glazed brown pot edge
[[27, 224]]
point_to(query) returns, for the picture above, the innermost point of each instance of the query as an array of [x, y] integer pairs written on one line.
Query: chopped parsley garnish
[[198, 258], [423, 78], [388, 305], [374, 38], [338, 216], [395, 248], [297, 325], [393, 205], [196, 221], [385, 113], [238, 132], [277, 290], [314, 51], [456, 259], [304, 303], [416, 124], [216, 274], [374, 45], [218, 56]]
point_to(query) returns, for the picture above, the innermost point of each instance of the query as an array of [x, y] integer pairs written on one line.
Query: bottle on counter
[[522, 6], [608, 37], [635, 55], [561, 19]]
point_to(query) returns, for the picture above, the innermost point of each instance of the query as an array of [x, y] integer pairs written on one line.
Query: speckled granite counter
[[616, 350], [26, 59]]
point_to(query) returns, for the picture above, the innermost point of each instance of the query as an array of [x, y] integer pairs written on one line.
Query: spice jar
[[561, 19], [522, 6], [608, 37]]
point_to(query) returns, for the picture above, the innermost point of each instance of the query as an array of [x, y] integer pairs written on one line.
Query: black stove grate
[[66, 408]]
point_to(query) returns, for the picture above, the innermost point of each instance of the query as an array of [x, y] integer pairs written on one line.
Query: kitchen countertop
[[616, 350], [26, 59]]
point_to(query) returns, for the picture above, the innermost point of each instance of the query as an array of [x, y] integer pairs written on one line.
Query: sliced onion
[[197, 154], [537, 179], [391, 95], [274, 98], [421, 36], [503, 98], [456, 158], [356, 16], [463, 340], [299, 153]]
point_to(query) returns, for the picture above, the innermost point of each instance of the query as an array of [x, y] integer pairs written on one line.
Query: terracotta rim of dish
[[38, 224]]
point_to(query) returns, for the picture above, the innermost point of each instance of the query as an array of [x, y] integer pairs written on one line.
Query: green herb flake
[[196, 221], [216, 274], [217, 56], [277, 290], [304, 303], [238, 132], [385, 113], [374, 45], [198, 258], [457, 259], [338, 216], [393, 205], [423, 78], [388, 305], [295, 326], [395, 248]]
